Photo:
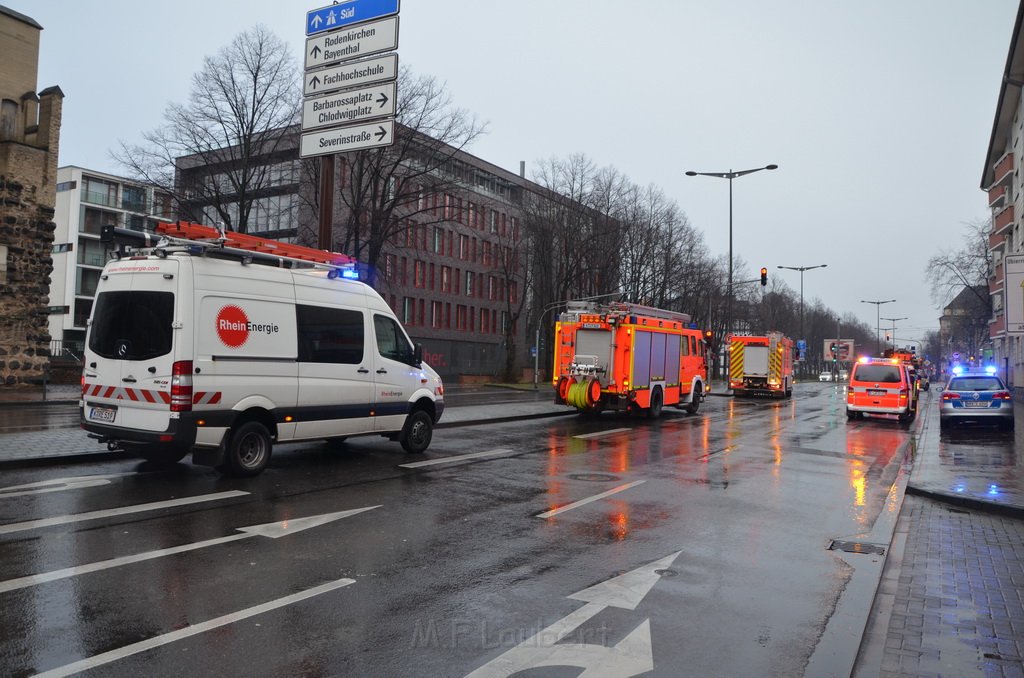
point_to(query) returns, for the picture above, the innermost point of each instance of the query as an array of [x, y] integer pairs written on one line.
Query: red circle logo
[[232, 326]]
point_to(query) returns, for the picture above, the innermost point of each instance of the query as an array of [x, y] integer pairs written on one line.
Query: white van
[[205, 349]]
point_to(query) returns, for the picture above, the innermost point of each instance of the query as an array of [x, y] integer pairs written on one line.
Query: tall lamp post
[[894, 328], [878, 321], [802, 269], [730, 175]]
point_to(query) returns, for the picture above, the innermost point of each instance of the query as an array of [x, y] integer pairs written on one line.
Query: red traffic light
[[764, 276]]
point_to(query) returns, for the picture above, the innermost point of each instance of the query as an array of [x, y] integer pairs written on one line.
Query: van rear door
[[130, 347]]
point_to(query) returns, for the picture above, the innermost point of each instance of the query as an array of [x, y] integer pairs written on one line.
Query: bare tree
[[242, 109], [951, 271], [385, 192]]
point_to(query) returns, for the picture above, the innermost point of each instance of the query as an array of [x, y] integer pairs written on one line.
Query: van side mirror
[[417, 355]]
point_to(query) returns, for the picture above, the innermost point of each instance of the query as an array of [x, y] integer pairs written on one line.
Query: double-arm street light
[[878, 322], [730, 175], [802, 269], [894, 328]]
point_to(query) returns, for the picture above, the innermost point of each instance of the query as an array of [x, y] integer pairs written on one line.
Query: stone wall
[[26, 229]]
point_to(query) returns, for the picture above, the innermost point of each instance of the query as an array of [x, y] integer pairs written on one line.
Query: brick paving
[[955, 597]]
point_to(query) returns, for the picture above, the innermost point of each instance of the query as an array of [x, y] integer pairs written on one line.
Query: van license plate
[[103, 414], [876, 392]]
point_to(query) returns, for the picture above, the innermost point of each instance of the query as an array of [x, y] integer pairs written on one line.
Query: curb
[[968, 502], [48, 401], [499, 420]]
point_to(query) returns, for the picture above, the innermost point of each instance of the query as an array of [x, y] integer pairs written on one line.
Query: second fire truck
[[761, 365], [624, 356]]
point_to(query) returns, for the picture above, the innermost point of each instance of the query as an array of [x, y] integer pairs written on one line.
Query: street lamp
[[730, 175], [894, 328], [802, 269], [878, 305]]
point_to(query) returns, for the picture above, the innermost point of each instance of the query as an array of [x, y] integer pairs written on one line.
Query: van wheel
[[694, 404], [654, 411], [416, 433], [164, 455], [248, 452]]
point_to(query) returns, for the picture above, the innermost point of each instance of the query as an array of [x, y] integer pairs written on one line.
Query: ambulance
[[221, 344], [623, 356]]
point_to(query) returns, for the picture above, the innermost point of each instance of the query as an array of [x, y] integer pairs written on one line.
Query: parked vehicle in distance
[[824, 376], [924, 381], [976, 398], [844, 375], [881, 386]]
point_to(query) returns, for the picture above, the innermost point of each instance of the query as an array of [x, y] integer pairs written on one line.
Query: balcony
[[1003, 221], [997, 326], [1003, 170], [995, 278], [997, 197], [996, 241], [97, 198]]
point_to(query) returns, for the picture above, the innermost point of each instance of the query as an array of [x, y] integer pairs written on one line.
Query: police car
[[976, 397]]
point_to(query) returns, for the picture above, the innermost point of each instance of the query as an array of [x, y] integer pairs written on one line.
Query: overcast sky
[[878, 112]]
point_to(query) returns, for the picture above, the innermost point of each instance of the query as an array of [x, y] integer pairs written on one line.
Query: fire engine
[[623, 356], [761, 365]]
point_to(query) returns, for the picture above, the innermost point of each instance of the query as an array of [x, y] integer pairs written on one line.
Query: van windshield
[[132, 325], [886, 374]]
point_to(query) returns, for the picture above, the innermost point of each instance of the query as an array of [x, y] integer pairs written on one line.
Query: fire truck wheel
[[654, 411], [248, 452], [416, 433], [694, 404]]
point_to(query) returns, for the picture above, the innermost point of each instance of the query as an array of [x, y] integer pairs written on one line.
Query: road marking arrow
[[271, 530], [58, 485], [123, 510], [189, 631], [631, 656]]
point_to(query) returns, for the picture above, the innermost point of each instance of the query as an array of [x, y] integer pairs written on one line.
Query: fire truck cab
[[623, 356]]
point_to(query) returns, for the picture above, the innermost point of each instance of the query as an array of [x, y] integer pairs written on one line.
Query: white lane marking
[[461, 457], [124, 510], [188, 631], [601, 434], [272, 530], [58, 485], [583, 502]]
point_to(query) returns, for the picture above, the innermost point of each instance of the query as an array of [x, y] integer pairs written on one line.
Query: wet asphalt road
[[691, 545]]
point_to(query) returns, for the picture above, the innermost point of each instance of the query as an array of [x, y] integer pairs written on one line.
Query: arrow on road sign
[[271, 530], [631, 656]]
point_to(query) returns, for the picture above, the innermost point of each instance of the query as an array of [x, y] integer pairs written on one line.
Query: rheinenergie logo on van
[[234, 326]]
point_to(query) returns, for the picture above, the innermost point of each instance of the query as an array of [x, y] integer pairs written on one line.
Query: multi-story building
[[1002, 179], [29, 140], [86, 201], [451, 269]]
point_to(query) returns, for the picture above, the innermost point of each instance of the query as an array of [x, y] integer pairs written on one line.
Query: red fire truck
[[623, 356]]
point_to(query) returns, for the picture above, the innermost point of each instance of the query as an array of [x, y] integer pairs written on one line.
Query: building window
[[67, 186], [463, 247], [133, 199], [419, 273], [63, 247], [3, 264], [446, 279], [99, 192], [460, 317], [494, 220], [408, 311], [86, 281], [92, 252], [435, 314], [470, 278], [438, 240]]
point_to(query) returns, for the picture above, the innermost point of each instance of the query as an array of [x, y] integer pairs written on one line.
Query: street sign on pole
[[358, 41], [1013, 304], [344, 139], [347, 13], [348, 106], [351, 74]]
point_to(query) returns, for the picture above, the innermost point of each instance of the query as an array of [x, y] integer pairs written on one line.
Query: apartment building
[[1002, 180], [86, 201]]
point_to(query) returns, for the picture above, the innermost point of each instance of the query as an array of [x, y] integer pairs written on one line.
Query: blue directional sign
[[348, 13]]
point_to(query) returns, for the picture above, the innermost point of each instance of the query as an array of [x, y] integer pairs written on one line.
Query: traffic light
[[888, 337], [764, 276], [709, 336]]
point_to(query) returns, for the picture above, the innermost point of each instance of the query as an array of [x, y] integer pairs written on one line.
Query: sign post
[[1013, 304], [350, 100]]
